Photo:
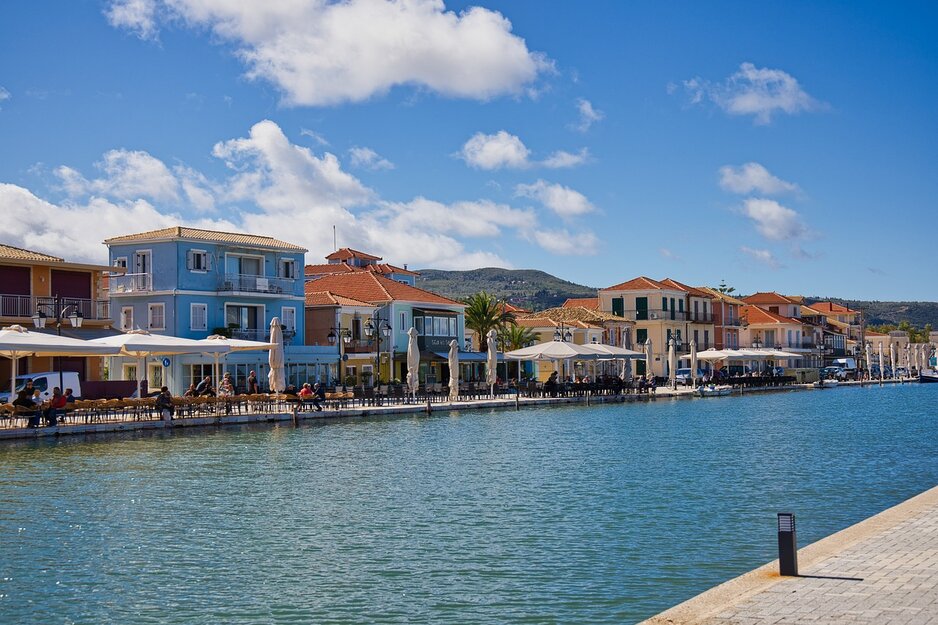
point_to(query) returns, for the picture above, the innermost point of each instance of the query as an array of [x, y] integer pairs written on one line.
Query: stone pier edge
[[719, 598]]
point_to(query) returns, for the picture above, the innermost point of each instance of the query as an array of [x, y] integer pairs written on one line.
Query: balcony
[[360, 346], [24, 306], [655, 315], [246, 283], [259, 334], [700, 317], [130, 283], [733, 322]]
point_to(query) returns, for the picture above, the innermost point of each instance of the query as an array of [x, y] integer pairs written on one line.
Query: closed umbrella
[[648, 357], [869, 359], [453, 370], [908, 359], [672, 364], [693, 362], [492, 360], [882, 362], [892, 358], [413, 362], [276, 378]]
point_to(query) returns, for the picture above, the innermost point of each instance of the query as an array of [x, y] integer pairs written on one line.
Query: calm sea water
[[606, 514]]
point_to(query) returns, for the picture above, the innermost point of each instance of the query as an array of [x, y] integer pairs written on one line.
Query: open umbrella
[[141, 345], [693, 362], [882, 362], [672, 364], [453, 358], [16, 342], [555, 350], [491, 360], [413, 362], [892, 358], [276, 377]]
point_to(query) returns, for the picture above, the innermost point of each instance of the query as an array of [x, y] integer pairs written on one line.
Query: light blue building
[[192, 283]]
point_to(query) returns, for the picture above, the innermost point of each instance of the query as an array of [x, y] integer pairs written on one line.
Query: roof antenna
[[335, 247]]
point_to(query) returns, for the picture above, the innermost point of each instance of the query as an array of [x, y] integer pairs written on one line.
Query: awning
[[464, 356], [436, 311]]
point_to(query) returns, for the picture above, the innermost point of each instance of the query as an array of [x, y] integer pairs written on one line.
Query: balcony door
[[245, 322], [143, 268], [641, 308]]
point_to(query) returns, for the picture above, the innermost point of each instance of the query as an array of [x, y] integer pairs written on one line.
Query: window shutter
[[189, 260]]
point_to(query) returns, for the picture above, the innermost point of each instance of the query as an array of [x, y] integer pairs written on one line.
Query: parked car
[[902, 372], [682, 376], [833, 373]]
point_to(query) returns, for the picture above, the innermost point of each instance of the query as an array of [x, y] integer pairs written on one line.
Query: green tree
[[483, 313], [727, 290]]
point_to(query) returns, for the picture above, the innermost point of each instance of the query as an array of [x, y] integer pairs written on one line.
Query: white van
[[45, 382]]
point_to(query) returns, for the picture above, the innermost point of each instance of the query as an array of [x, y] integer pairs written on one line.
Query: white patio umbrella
[[276, 377], [141, 345], [882, 362], [453, 358], [693, 362], [413, 362], [16, 342], [892, 358], [713, 355], [672, 364], [234, 345], [869, 359], [555, 350], [614, 352], [649, 363], [491, 360]]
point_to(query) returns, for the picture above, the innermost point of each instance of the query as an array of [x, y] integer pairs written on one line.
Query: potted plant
[[366, 378], [351, 380]]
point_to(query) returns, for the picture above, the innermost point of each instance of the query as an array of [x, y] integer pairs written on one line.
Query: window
[[680, 305], [197, 260], [127, 318], [288, 318], [198, 316], [418, 325], [664, 303], [403, 321], [156, 318], [287, 268], [121, 261], [618, 306], [641, 335], [706, 339], [452, 326]]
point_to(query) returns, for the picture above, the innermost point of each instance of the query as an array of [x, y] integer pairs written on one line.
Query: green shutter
[[618, 306]]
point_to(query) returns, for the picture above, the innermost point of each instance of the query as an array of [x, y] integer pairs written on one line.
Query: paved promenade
[[884, 570]]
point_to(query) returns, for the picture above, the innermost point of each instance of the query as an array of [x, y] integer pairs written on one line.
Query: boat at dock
[[825, 384], [928, 377], [713, 390]]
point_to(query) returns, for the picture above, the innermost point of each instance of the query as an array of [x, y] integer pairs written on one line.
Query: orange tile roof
[[768, 297], [327, 298], [683, 287], [511, 308], [546, 322], [179, 232], [755, 315], [591, 303], [832, 308], [375, 289], [379, 268], [569, 314], [16, 253], [873, 333], [346, 253], [640, 283], [724, 297]]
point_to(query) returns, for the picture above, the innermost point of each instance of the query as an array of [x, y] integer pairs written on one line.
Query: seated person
[[53, 406], [164, 404], [306, 392], [204, 388], [226, 389], [190, 392]]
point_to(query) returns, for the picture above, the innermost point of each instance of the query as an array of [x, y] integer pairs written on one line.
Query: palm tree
[[511, 336], [483, 313]]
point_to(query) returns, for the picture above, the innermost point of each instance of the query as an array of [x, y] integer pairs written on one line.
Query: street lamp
[[757, 343], [678, 344], [563, 334], [376, 328], [58, 311]]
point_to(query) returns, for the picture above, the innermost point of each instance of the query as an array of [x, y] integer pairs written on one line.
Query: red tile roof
[[375, 289], [832, 308], [214, 236], [768, 297], [379, 268], [326, 298], [640, 283], [756, 315], [511, 308], [683, 287], [346, 253], [591, 303]]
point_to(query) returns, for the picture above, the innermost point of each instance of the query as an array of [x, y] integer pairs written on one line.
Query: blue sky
[[785, 146]]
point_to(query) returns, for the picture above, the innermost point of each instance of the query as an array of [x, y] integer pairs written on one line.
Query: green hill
[[879, 313], [527, 288]]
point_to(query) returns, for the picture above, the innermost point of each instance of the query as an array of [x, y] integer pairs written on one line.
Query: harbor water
[[574, 514]]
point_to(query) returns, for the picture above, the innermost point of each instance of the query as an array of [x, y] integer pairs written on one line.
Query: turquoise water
[[606, 514]]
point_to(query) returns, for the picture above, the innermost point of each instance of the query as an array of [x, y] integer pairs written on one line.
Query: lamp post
[[678, 344], [376, 328], [58, 314], [757, 343], [563, 334], [333, 338]]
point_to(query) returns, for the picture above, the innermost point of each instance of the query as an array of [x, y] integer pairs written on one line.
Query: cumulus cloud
[[272, 187], [564, 242], [763, 256], [752, 177], [322, 53], [501, 149], [588, 115], [774, 221], [564, 201], [759, 92], [562, 159], [366, 158]]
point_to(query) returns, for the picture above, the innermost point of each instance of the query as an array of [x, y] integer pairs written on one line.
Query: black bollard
[[787, 545]]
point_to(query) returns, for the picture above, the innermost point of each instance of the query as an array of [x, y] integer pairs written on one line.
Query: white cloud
[[753, 177], [763, 256], [322, 53], [4, 95], [667, 253], [366, 158], [760, 92], [562, 200], [502, 149], [127, 174], [588, 115], [470, 219], [564, 242], [774, 221], [315, 136], [561, 159]]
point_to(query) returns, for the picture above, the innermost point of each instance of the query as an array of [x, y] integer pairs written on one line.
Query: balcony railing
[[734, 322], [360, 346], [130, 283], [259, 334], [655, 314], [27, 305], [255, 284], [700, 317], [782, 345]]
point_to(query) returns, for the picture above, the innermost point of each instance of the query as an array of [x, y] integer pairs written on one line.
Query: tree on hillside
[[727, 290], [483, 313], [916, 335], [511, 336]]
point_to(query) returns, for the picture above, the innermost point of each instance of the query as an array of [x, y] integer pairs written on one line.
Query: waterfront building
[[437, 319], [33, 283], [346, 260], [349, 325], [841, 317], [699, 326], [835, 333], [726, 318], [763, 328], [192, 283]]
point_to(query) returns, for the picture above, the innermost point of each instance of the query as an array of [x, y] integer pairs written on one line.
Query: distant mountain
[[538, 290], [527, 288]]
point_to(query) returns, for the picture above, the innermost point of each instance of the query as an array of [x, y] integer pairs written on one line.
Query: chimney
[[405, 266]]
